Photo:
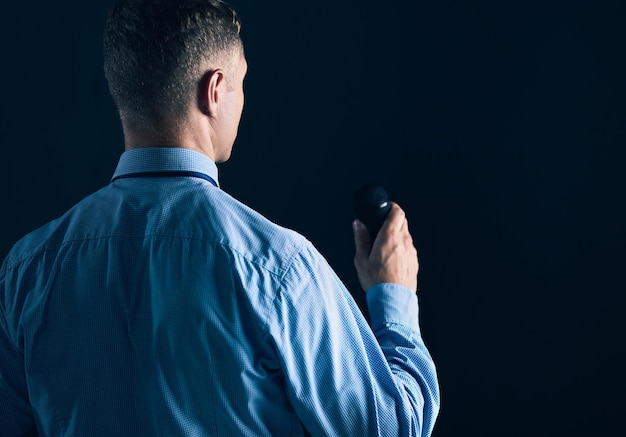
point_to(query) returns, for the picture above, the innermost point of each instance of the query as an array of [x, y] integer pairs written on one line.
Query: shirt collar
[[163, 159]]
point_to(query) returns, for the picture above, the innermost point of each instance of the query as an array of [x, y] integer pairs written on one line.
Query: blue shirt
[[161, 306]]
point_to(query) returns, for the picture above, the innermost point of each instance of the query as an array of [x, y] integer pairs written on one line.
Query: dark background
[[498, 125]]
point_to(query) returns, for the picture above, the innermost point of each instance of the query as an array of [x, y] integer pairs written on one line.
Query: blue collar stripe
[[166, 174]]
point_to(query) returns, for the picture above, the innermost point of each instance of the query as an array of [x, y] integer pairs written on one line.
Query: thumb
[[361, 239]]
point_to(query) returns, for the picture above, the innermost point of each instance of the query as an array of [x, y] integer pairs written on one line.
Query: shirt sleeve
[[16, 417], [343, 377]]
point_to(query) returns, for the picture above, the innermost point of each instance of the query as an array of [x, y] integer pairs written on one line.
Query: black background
[[499, 126]]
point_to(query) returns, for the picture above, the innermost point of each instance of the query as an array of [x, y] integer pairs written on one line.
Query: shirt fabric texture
[[161, 306]]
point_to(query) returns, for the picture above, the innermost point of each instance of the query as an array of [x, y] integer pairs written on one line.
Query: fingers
[[361, 240], [391, 257], [396, 220], [394, 228]]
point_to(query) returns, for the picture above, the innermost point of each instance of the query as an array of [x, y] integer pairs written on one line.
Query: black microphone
[[371, 206]]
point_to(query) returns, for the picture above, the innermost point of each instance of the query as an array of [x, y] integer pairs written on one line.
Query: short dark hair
[[155, 53]]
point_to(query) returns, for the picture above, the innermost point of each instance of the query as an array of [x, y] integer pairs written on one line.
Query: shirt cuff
[[392, 304]]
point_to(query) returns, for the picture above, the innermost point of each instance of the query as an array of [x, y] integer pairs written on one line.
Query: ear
[[210, 89]]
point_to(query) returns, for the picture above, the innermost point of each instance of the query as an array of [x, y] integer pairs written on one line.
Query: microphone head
[[371, 206]]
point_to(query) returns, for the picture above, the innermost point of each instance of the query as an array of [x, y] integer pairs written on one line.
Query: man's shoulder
[[47, 237], [256, 238]]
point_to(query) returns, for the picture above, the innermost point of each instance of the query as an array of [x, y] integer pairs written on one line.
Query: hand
[[392, 258]]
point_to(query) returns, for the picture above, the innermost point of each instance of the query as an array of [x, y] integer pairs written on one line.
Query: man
[[160, 305]]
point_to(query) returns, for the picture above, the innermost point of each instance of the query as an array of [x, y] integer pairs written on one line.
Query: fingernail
[[357, 225]]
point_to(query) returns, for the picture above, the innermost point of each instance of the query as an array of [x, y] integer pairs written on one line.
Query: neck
[[185, 139]]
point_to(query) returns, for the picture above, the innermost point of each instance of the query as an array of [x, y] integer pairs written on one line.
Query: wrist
[[392, 303]]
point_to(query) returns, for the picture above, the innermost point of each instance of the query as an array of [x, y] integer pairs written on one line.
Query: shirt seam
[[390, 324], [4, 325], [281, 279], [280, 274]]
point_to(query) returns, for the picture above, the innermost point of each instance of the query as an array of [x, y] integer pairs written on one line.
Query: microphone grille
[[368, 199]]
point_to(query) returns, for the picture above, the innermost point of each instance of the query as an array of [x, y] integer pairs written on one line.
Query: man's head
[[169, 63]]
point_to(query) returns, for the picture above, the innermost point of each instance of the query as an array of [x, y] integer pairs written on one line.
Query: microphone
[[371, 206]]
